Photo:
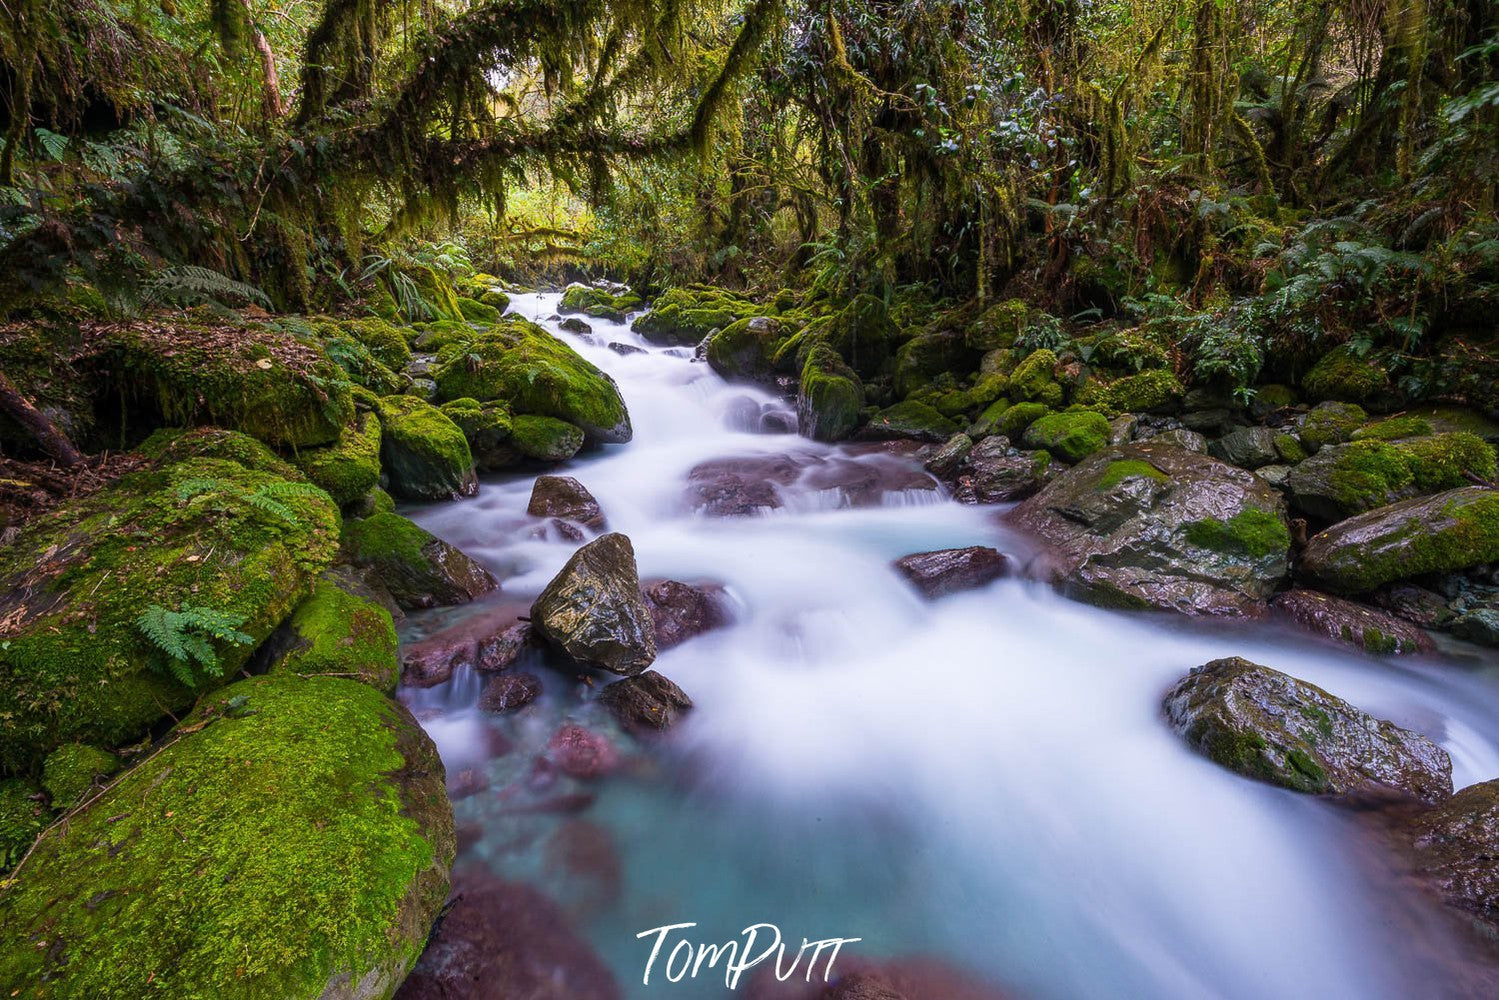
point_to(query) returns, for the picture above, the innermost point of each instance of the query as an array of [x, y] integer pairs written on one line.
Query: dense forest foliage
[[1253, 182]]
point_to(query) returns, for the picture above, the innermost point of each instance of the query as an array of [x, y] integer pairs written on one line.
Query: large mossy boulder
[[600, 303], [911, 419], [1346, 479], [1343, 375], [684, 316], [417, 568], [174, 444], [744, 350], [1150, 525], [385, 342], [1155, 389], [488, 428], [269, 384], [1445, 533], [203, 553], [829, 397], [862, 333], [340, 634], [424, 455], [1268, 725], [349, 468], [535, 373], [594, 611], [293, 840], [928, 355], [1071, 436]]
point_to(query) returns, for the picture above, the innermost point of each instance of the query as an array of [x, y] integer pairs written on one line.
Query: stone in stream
[[1480, 626], [510, 691], [506, 941], [1270, 726], [740, 486], [582, 753], [423, 454], [573, 324], [565, 497], [1246, 447], [1455, 846], [950, 457], [996, 472], [1367, 628], [1450, 531], [207, 848], [855, 977], [1150, 525], [490, 642], [647, 702], [948, 571], [593, 609], [681, 611], [417, 568], [624, 349]]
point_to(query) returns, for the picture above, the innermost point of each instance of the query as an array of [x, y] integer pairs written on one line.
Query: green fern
[[190, 285], [186, 638], [270, 496]]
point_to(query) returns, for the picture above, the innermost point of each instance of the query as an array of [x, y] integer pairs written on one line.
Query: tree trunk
[[53, 441]]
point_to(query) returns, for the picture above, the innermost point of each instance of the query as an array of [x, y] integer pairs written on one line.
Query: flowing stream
[[984, 779]]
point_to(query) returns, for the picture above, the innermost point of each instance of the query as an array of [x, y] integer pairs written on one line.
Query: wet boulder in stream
[[647, 702], [936, 574], [565, 497], [593, 609], [1369, 629], [681, 611], [1148, 525], [1270, 726], [417, 568], [1455, 845]]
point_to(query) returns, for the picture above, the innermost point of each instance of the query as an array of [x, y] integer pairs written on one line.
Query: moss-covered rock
[[1362, 627], [928, 355], [862, 333], [1071, 436], [294, 841], [71, 770], [745, 349], [22, 818], [535, 373], [829, 397], [340, 634], [911, 419], [205, 538], [1346, 479], [1345, 376], [350, 468], [1267, 725], [1015, 419], [598, 302], [1330, 423], [1034, 380], [1394, 428], [385, 342], [998, 326], [475, 311], [360, 365], [488, 428], [545, 439], [438, 293], [424, 455], [1444, 533], [1154, 389], [419, 569], [173, 444], [282, 389], [684, 316]]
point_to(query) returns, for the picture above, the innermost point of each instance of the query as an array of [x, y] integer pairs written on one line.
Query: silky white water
[[985, 778]]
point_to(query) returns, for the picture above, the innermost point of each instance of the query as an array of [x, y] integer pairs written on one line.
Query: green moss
[[1140, 393], [205, 533], [1368, 474], [385, 342], [475, 311], [269, 384], [437, 291], [988, 422], [545, 439], [927, 356], [745, 349], [1461, 533], [1251, 532], [1020, 416], [1035, 380], [1307, 767], [22, 818], [913, 419], [1130, 468], [386, 540], [829, 396], [687, 315], [172, 444], [1343, 375], [1288, 447], [1330, 423], [1440, 462], [488, 428], [335, 632], [1132, 350], [998, 326], [350, 468], [1070, 436], [535, 373], [1394, 428], [299, 836], [72, 769], [424, 454], [1371, 473], [862, 333]]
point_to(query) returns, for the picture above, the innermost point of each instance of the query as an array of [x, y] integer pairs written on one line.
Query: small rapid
[[984, 779]]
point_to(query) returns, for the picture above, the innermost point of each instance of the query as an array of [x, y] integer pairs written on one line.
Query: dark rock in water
[[866, 473], [1370, 630], [574, 325], [417, 568], [594, 612], [428, 664], [1450, 531], [857, 978], [950, 457], [681, 611], [504, 648], [1246, 447], [996, 472], [1148, 525], [582, 753], [489, 642], [1181, 437], [1415, 604], [774, 421], [1455, 845], [565, 497], [950, 570], [624, 349], [508, 692], [647, 702], [1268, 725], [1480, 626], [506, 941], [739, 487], [467, 783], [582, 867]]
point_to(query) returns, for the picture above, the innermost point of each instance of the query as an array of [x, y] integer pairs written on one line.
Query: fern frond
[[190, 285]]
